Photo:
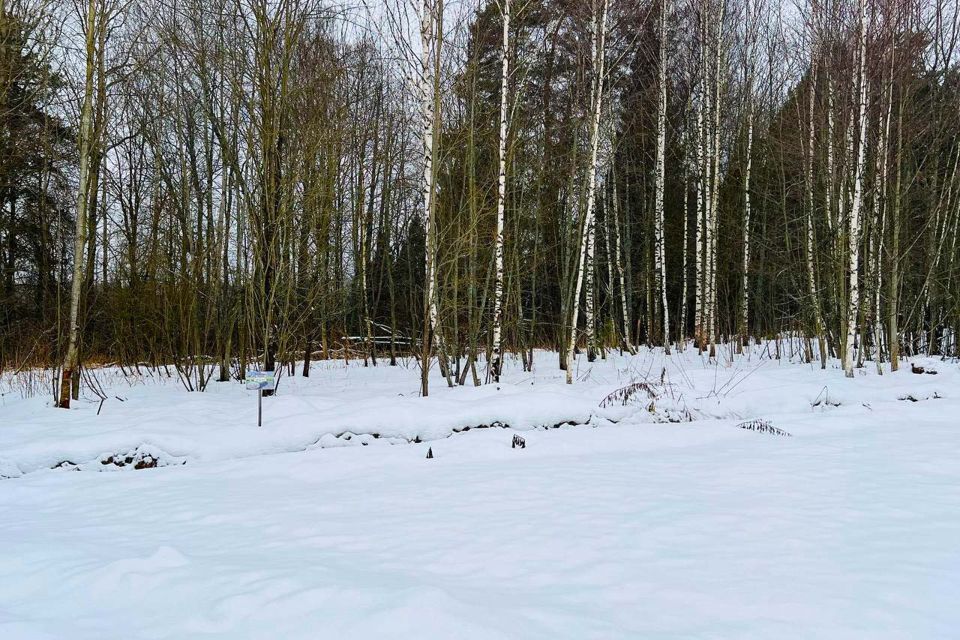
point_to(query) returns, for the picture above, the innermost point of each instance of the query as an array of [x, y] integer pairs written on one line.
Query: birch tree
[[853, 237], [431, 19], [708, 120], [589, 301], [700, 207], [713, 221], [618, 253], [496, 357], [660, 249], [748, 72], [809, 237], [598, 55], [682, 324]]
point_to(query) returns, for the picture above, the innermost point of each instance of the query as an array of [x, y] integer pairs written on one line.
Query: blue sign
[[260, 380]]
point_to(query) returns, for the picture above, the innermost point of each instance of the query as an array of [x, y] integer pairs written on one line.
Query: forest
[[213, 185]]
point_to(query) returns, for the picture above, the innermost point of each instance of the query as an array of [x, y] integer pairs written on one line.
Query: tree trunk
[[590, 294], [87, 150], [745, 275], [599, 55], [894, 284], [624, 306], [428, 99], [853, 237], [660, 169], [809, 236], [496, 362]]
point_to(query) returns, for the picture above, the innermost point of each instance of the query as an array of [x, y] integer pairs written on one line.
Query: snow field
[[623, 527]]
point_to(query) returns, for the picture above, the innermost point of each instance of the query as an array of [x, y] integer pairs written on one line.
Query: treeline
[[214, 184]]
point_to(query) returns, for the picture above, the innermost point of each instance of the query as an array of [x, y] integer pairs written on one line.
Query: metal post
[[260, 407]]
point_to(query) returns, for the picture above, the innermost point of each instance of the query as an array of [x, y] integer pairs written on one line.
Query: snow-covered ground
[[624, 524]]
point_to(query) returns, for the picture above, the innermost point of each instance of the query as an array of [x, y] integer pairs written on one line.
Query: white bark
[[620, 270], [714, 187], [599, 51], [590, 293], [828, 193], [809, 236], [660, 256], [700, 225], [745, 283], [681, 336], [853, 237], [428, 101], [496, 358]]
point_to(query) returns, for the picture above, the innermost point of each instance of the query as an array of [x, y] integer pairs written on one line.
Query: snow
[[221, 423], [621, 526]]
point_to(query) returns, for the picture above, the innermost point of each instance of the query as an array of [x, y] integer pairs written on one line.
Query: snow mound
[[158, 423]]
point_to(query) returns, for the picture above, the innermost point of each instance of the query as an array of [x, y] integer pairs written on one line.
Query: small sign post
[[258, 381]]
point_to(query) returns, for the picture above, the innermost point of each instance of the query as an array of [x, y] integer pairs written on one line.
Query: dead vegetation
[[659, 399], [631, 394], [763, 426]]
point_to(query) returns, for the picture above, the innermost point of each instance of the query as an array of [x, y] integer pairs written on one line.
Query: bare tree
[[496, 356], [660, 250], [598, 55]]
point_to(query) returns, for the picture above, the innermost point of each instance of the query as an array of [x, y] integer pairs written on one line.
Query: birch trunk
[[829, 192], [590, 294], [810, 240], [429, 60], [660, 256], [598, 50], [844, 200], [681, 331], [853, 237], [624, 306], [703, 186], [496, 357], [715, 189], [745, 283], [700, 228]]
